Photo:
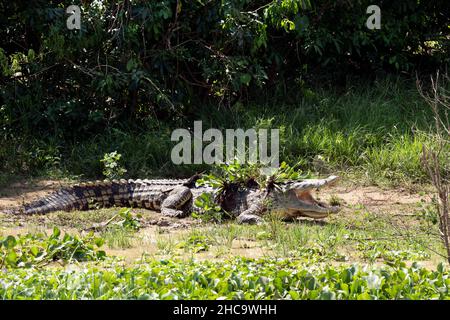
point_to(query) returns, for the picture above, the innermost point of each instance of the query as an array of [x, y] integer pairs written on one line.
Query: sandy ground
[[22, 192]]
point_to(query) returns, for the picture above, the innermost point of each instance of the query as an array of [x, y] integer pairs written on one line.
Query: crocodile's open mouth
[[310, 207], [302, 202]]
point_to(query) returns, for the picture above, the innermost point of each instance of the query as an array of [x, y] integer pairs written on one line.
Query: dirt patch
[[376, 196], [172, 223], [22, 192], [376, 199]]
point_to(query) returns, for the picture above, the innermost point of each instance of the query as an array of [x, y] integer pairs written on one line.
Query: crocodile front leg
[[252, 214], [177, 202]]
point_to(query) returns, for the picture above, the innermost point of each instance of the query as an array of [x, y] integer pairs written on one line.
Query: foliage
[[233, 279], [119, 233], [196, 242], [374, 131], [434, 159], [230, 173], [207, 208], [224, 178], [243, 175], [36, 250], [139, 69], [287, 173], [117, 237], [159, 60], [129, 221], [113, 169]]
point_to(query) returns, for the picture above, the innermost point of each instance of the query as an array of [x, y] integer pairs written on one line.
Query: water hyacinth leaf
[[9, 242], [56, 232], [34, 251], [99, 242], [11, 258]]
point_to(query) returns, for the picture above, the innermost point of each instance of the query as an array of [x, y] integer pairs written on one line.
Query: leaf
[[327, 295], [9, 242], [246, 78], [364, 296], [198, 202], [11, 258], [101, 254], [99, 242], [344, 287], [301, 23], [294, 295], [56, 232], [31, 54], [131, 64], [34, 251]]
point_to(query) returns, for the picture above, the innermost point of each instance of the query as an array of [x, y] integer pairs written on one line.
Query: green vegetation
[[374, 132], [113, 169], [102, 102], [137, 70], [119, 234], [297, 263], [232, 279], [35, 250]]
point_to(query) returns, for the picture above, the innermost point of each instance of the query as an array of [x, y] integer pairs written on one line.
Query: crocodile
[[175, 198]]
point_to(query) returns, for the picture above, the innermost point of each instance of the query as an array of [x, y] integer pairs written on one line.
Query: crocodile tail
[[81, 197]]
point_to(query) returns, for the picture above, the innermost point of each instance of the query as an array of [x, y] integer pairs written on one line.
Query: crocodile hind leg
[[177, 204]]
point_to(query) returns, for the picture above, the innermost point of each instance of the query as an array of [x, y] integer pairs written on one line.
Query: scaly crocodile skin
[[148, 194]]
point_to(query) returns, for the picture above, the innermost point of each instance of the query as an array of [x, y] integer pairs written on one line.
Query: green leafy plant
[[112, 167], [236, 279], [244, 175], [37, 250], [129, 221], [286, 173], [119, 230], [230, 173], [196, 243], [235, 176], [207, 208]]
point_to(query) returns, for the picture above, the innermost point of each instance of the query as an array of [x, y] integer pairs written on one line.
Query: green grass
[[118, 237], [79, 220], [363, 236], [358, 234], [374, 131], [165, 245]]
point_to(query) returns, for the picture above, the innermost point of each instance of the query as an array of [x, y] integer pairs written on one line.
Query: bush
[[147, 59]]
